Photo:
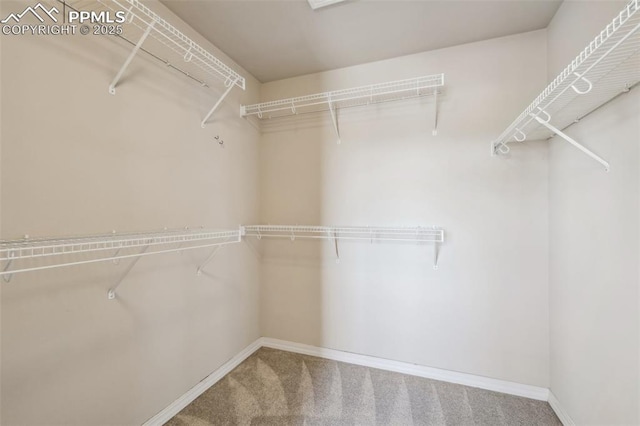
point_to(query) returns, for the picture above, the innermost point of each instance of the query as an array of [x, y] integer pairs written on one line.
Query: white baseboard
[[512, 388], [560, 411], [527, 391], [165, 415]]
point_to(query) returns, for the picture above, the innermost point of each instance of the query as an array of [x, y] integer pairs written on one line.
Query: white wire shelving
[[70, 251], [357, 96], [372, 234], [166, 43], [606, 68], [37, 254]]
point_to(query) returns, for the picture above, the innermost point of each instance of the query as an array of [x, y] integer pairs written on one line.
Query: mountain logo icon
[[34, 11]]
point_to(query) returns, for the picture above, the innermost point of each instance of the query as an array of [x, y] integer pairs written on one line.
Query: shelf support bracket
[[335, 242], [334, 118], [436, 253], [573, 142], [435, 113], [207, 260], [116, 79], [230, 84], [116, 261], [7, 277], [111, 294]]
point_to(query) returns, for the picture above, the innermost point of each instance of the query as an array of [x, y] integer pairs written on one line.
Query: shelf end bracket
[[499, 148], [116, 79]]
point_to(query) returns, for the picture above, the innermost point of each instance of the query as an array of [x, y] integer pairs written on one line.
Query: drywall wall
[[77, 160], [594, 240], [485, 310], [0, 209]]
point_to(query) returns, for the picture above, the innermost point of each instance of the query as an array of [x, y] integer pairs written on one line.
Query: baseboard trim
[[512, 388], [174, 408], [503, 386], [560, 411]]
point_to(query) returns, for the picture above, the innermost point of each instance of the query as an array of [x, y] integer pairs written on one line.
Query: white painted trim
[[560, 411], [527, 391], [175, 407]]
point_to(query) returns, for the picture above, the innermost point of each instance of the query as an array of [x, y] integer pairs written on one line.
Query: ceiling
[[276, 39]]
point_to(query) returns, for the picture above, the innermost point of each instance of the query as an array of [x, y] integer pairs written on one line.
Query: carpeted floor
[[273, 387]]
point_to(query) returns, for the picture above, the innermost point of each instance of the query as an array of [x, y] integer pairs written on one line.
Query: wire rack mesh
[[363, 95], [12, 250], [166, 42], [607, 67], [372, 233]]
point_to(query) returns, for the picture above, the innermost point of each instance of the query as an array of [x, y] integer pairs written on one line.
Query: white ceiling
[[276, 39]]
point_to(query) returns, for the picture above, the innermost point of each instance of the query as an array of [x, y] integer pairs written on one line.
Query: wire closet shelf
[[327, 101], [416, 234], [370, 233], [147, 31], [141, 17], [607, 67], [99, 248]]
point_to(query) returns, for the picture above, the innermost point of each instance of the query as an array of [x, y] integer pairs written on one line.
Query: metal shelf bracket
[[435, 113], [229, 85], [116, 79], [207, 260], [7, 277], [573, 142], [241, 232], [335, 242], [334, 118], [111, 294]]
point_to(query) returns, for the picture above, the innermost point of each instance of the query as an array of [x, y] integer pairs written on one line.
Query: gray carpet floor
[[273, 387]]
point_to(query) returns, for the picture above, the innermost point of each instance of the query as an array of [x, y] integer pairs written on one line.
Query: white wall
[[0, 212], [485, 311], [594, 240], [77, 160]]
